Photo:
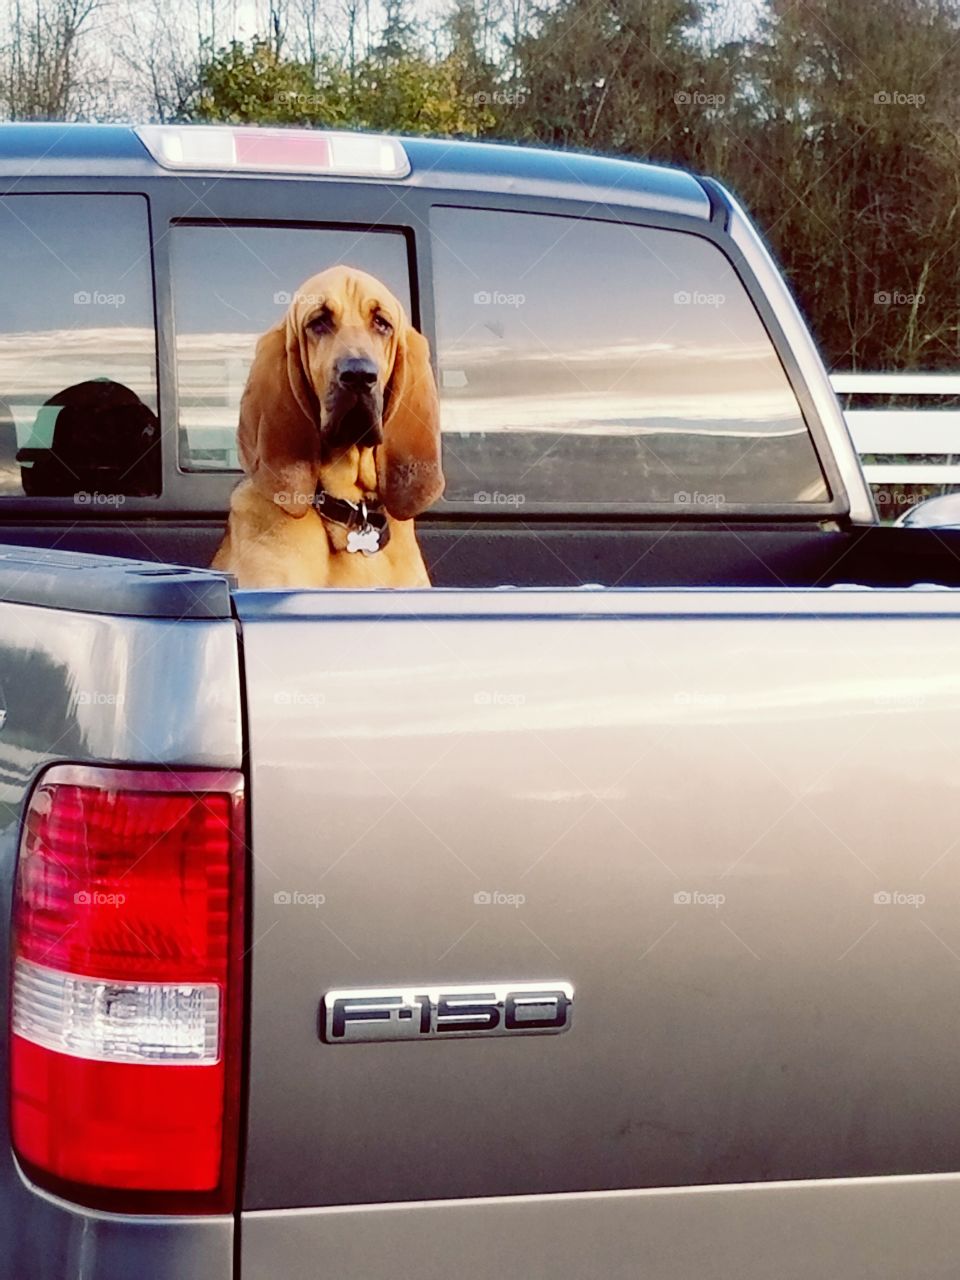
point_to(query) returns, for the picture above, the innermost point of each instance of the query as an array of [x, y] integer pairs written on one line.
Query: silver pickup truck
[[593, 914]]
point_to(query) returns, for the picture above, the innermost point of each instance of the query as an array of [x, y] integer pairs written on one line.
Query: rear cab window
[[231, 284]]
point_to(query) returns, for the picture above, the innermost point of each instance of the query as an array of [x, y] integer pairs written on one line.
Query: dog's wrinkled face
[[347, 326], [341, 392]]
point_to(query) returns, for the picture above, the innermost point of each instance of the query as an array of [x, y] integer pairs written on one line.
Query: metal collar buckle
[[367, 531]]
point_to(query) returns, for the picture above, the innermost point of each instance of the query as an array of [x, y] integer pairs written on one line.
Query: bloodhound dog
[[340, 438]]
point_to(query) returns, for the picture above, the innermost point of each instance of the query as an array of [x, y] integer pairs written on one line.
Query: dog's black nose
[[356, 373]]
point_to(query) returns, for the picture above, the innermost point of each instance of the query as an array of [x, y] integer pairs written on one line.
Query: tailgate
[[726, 819]]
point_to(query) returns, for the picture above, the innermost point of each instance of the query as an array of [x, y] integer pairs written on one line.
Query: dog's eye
[[322, 323], [382, 324]]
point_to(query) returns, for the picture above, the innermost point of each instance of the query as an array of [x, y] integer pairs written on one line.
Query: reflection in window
[[585, 362], [78, 382], [232, 284]]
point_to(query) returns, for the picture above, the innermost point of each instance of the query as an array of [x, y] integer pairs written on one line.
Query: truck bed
[[571, 554]]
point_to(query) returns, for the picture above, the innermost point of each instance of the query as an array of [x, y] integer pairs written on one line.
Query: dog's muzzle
[[354, 406]]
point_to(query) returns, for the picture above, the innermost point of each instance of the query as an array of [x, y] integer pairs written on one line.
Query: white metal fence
[[904, 431]]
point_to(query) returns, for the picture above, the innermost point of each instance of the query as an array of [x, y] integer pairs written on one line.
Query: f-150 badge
[[444, 1013]]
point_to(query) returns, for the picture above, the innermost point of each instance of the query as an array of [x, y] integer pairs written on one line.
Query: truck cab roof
[[434, 163]]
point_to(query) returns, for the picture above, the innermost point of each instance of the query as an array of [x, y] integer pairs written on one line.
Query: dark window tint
[[78, 380], [586, 363], [230, 285]]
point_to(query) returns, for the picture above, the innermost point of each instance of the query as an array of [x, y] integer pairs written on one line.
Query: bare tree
[[163, 45], [42, 71], [311, 24]]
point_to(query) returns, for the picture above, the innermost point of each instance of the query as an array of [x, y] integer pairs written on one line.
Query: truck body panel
[[858, 1228], [689, 808]]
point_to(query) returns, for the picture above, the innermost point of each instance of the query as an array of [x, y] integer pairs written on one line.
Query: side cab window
[[78, 358], [591, 365]]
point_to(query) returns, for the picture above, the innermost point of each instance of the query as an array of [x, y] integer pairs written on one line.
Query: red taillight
[[127, 984]]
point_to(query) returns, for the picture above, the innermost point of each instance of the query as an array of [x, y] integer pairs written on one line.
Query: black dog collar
[[367, 529]]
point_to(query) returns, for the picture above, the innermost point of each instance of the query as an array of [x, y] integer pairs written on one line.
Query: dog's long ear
[[277, 437], [409, 474]]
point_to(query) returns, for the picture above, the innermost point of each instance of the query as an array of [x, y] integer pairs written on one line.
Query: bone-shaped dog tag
[[366, 540]]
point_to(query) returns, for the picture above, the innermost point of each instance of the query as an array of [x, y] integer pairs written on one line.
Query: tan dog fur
[[274, 536]]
